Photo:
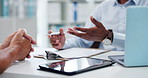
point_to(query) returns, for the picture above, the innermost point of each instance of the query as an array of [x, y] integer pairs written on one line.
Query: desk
[[28, 69]]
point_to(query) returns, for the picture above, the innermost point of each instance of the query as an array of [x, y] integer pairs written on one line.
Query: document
[[71, 53], [80, 52]]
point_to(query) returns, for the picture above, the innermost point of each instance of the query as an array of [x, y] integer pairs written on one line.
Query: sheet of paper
[[79, 52]]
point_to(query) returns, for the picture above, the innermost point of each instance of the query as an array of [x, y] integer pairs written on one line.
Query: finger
[[28, 56], [49, 36], [57, 41], [20, 33], [53, 43], [50, 31], [32, 49], [52, 40], [55, 46], [70, 30], [34, 42], [61, 31], [81, 29], [98, 24], [59, 44], [77, 33], [30, 39], [54, 37]]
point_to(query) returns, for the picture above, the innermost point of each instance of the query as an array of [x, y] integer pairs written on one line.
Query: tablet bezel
[[105, 64]]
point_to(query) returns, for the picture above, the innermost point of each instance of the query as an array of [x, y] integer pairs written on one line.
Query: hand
[[97, 33], [57, 41], [7, 41], [21, 44]]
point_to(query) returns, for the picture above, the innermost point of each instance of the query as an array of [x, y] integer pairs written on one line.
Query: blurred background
[[40, 16]]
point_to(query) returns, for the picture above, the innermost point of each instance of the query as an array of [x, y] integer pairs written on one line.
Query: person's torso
[[113, 15]]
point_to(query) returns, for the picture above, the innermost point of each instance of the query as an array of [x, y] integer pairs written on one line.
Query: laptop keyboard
[[121, 60]]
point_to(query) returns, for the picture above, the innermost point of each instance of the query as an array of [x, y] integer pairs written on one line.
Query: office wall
[[9, 25], [83, 12], [29, 24], [15, 14], [5, 28]]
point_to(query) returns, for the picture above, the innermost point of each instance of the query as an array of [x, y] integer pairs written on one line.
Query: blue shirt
[[113, 16]]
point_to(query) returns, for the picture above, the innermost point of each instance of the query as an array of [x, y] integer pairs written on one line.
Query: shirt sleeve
[[77, 42], [119, 40]]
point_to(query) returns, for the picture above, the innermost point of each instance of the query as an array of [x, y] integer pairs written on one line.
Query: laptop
[[136, 41]]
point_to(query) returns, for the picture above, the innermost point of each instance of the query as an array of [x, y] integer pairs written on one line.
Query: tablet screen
[[76, 64]]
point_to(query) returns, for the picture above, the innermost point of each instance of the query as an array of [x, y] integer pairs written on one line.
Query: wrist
[[110, 35], [109, 38]]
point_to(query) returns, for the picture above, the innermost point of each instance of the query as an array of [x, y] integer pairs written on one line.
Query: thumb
[[61, 31], [20, 33], [97, 23]]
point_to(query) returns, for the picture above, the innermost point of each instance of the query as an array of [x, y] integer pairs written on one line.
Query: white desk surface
[[28, 69]]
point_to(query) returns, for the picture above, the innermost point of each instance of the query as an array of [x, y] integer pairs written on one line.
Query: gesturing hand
[[57, 41], [96, 33]]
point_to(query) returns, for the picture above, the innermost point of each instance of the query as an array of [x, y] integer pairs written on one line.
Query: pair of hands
[[19, 44], [96, 33]]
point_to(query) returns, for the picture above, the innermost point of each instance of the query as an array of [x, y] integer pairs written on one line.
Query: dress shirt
[[113, 16]]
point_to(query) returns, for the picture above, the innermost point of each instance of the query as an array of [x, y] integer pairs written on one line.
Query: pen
[[54, 33]]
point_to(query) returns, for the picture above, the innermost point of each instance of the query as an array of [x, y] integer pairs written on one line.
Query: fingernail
[[20, 29], [25, 30]]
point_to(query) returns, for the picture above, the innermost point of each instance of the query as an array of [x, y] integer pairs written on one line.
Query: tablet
[[75, 66]]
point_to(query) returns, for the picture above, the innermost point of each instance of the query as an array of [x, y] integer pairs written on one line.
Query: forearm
[[7, 56]]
